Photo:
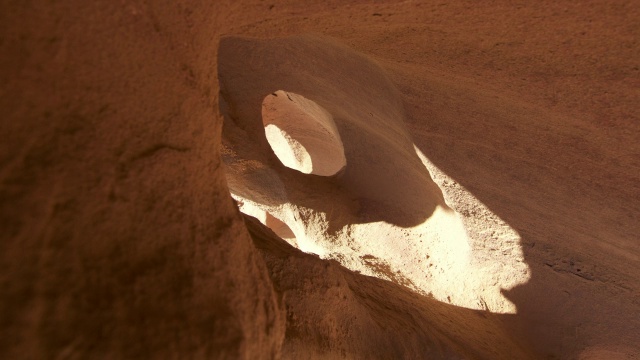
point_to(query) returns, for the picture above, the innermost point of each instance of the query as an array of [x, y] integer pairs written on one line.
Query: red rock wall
[[119, 237]]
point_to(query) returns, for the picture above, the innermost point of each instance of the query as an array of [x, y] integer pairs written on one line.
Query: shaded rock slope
[[119, 238]]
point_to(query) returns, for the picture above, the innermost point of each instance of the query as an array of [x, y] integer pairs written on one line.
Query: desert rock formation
[[479, 195]]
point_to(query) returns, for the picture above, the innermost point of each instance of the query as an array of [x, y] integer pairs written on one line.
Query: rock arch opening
[[302, 134], [362, 193]]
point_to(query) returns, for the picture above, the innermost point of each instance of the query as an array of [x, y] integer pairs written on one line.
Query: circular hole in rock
[[302, 134]]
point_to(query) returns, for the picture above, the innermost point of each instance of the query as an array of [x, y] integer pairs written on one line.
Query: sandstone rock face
[[335, 313], [482, 201], [384, 216], [119, 238]]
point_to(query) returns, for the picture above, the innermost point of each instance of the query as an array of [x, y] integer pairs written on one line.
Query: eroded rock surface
[[118, 235], [302, 134], [384, 215], [119, 238]]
